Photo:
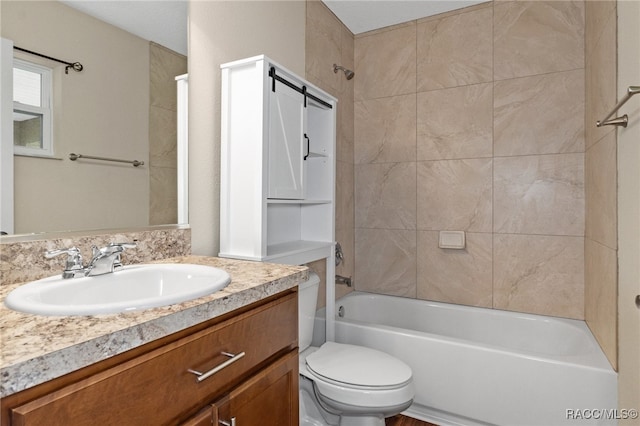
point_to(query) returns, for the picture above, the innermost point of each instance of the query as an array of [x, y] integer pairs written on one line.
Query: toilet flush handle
[[231, 423]]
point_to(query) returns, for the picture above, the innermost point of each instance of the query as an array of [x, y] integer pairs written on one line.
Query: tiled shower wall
[[601, 239], [474, 120], [164, 66], [329, 42]]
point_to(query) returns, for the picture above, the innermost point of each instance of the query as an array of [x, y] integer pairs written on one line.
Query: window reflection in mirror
[[32, 109]]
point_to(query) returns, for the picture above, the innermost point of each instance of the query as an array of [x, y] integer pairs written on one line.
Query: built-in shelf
[[281, 201], [317, 155], [289, 251]]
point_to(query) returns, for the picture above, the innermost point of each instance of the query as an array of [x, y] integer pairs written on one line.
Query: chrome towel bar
[[74, 157], [623, 120]]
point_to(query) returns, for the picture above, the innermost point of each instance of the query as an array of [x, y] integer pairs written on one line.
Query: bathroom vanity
[[153, 366]]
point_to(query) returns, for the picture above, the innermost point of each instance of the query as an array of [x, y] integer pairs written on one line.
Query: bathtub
[[477, 366]]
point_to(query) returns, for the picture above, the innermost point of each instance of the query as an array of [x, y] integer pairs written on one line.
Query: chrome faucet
[[104, 260]]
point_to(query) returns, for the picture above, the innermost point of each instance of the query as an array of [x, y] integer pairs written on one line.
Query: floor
[[401, 420]]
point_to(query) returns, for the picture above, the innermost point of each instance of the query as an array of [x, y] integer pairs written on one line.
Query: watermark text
[[601, 413]]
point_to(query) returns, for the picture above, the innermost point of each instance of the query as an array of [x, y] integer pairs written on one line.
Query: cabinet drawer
[[157, 387]]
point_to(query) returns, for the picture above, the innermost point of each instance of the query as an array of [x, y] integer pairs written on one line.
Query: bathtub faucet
[[344, 280]]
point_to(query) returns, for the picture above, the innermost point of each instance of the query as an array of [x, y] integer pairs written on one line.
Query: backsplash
[[25, 261]]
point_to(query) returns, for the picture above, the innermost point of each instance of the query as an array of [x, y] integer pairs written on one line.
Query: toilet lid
[[357, 365]]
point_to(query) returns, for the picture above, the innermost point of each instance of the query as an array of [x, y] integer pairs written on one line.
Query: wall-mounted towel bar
[[624, 119], [74, 157]]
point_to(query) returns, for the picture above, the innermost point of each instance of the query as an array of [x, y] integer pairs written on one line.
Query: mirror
[[122, 105]]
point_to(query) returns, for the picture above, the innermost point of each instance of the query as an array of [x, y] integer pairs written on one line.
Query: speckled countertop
[[35, 349]]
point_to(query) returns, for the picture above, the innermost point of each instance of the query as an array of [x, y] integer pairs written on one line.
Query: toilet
[[346, 385]]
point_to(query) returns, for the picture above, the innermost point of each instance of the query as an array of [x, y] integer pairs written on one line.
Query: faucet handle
[[124, 245], [112, 248], [72, 252], [73, 264], [119, 248], [107, 259]]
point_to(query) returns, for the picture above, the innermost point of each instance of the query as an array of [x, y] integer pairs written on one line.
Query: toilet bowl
[[346, 385]]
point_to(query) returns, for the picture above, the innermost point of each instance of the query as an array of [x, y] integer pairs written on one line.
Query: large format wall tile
[[386, 63], [455, 50], [323, 45], [386, 195], [537, 37], [386, 261], [539, 274], [385, 130], [601, 192], [601, 175], [540, 115], [345, 127], [601, 296], [499, 150], [163, 197], [601, 66], [455, 195], [456, 276], [328, 41], [455, 123], [539, 194], [345, 204], [163, 137], [164, 66]]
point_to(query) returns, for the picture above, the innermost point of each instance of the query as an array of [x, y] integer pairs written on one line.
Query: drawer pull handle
[[203, 376], [232, 423]]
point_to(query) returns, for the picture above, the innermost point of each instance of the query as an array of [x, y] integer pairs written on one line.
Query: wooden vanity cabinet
[[270, 398], [158, 388]]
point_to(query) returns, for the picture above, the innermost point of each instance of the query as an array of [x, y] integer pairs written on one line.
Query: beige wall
[[474, 121], [219, 32], [101, 111], [329, 42], [629, 211], [601, 242], [164, 66]]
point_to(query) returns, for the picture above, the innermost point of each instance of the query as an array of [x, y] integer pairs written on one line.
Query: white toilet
[[342, 384]]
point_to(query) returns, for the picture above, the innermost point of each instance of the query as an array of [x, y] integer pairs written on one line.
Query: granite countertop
[[38, 348]]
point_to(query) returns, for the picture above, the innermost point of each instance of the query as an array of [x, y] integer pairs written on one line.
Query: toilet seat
[[358, 366], [358, 376]]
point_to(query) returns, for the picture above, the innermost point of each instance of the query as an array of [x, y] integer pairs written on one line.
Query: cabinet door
[[270, 398], [286, 134], [205, 417]]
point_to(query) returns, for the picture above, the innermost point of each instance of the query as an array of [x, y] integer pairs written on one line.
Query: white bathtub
[[475, 366]]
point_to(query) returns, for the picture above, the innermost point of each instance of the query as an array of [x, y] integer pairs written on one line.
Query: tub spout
[[344, 280]]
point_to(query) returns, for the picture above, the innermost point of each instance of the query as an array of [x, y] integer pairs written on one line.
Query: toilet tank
[[307, 299]]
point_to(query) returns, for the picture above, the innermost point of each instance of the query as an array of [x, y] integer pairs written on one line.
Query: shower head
[[347, 73]]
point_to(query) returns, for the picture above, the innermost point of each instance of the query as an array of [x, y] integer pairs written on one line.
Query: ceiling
[[165, 21], [161, 21], [365, 15]]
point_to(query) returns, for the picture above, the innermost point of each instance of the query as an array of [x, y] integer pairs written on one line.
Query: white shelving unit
[[277, 185]]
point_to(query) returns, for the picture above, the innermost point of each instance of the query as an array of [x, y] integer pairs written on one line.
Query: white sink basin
[[135, 287]]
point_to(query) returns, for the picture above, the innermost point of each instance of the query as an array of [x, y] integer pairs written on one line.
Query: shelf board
[[298, 252], [317, 155], [283, 201]]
